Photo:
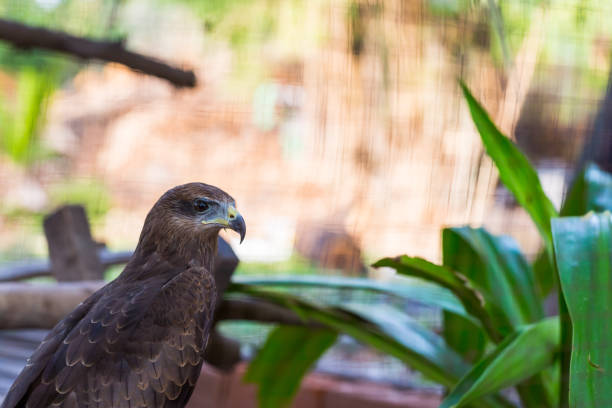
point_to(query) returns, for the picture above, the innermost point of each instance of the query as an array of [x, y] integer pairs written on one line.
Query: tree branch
[[259, 311], [24, 305], [23, 36], [48, 304]]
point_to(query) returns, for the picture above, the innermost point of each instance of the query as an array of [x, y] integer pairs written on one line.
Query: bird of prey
[[139, 340]]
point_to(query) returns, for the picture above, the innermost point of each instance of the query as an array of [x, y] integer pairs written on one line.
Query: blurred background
[[338, 126]]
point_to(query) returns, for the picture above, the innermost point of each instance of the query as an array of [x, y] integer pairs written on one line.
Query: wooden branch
[[24, 305], [27, 305], [259, 311], [23, 36]]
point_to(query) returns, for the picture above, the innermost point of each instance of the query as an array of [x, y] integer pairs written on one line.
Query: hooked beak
[[236, 222], [232, 219]]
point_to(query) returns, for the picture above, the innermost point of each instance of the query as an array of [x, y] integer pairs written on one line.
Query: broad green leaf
[[418, 291], [497, 267], [522, 354], [459, 255], [411, 343], [472, 299], [464, 337], [21, 126], [583, 249], [591, 190], [392, 321], [421, 349], [515, 171], [544, 274], [286, 356]]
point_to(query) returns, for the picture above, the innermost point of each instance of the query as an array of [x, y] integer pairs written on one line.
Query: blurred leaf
[[497, 266], [384, 330], [522, 180], [472, 299], [460, 334], [463, 336], [416, 346], [544, 274], [493, 267], [91, 194], [590, 191], [522, 354], [515, 171], [421, 292], [583, 249], [21, 123], [286, 356]]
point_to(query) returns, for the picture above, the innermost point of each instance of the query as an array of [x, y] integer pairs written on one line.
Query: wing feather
[[132, 344]]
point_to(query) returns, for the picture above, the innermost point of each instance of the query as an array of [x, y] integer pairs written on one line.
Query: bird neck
[[197, 251]]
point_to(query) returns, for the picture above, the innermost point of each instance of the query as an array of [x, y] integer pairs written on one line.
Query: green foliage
[[92, 194], [525, 352], [492, 278], [497, 265], [522, 180], [591, 191], [505, 339], [583, 248], [23, 117], [463, 336], [411, 343], [283, 360], [448, 7], [89, 18], [37, 74], [418, 291], [470, 296], [295, 265], [89, 193], [515, 171]]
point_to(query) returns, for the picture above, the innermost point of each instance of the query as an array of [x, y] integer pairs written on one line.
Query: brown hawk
[[139, 341]]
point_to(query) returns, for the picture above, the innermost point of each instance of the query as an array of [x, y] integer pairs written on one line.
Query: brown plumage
[[139, 341]]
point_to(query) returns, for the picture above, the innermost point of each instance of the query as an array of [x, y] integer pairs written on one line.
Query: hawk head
[[193, 211], [201, 209]]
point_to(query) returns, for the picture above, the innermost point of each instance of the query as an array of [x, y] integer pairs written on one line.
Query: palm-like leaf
[[583, 248]]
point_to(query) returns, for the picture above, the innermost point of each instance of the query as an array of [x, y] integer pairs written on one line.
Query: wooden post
[[72, 251]]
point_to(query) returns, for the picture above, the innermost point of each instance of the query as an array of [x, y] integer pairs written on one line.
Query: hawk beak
[[232, 219], [236, 222]]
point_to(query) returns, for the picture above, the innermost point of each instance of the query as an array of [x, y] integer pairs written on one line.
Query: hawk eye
[[200, 205]]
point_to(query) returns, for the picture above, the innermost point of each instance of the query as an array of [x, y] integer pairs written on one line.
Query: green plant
[[583, 247], [22, 117], [495, 334], [38, 73], [90, 193]]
